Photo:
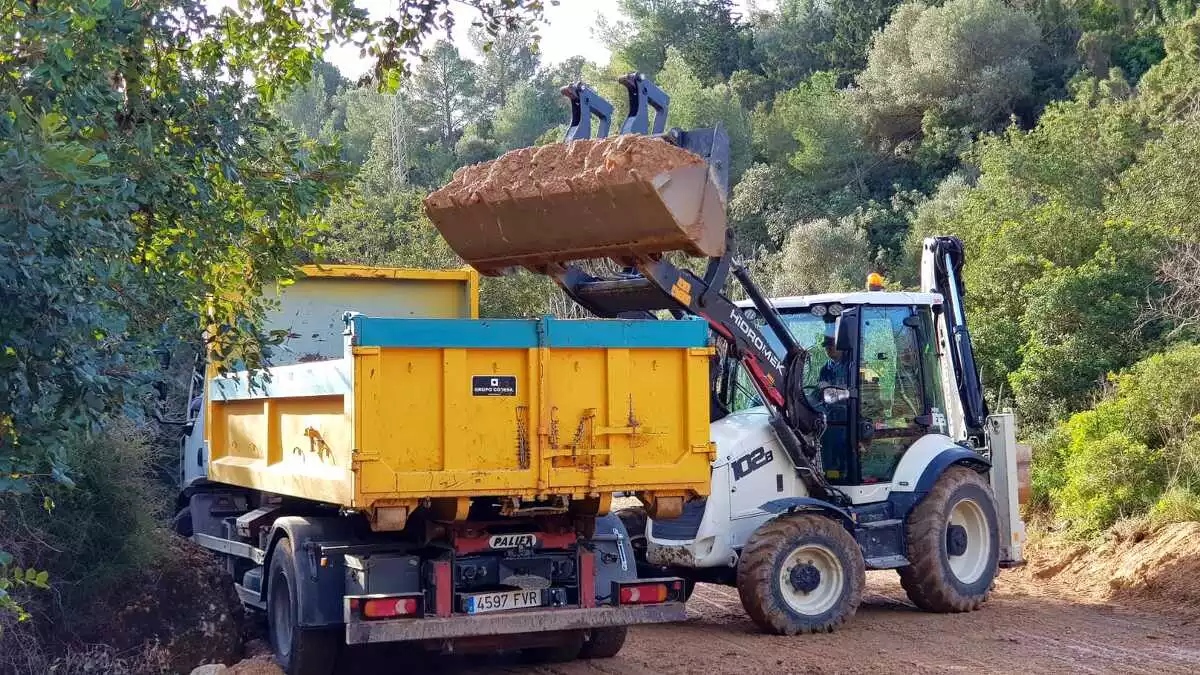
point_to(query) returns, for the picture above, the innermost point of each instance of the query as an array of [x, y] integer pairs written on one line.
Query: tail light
[[649, 592], [392, 607]]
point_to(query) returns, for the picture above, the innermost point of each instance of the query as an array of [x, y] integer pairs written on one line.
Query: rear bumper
[[508, 623]]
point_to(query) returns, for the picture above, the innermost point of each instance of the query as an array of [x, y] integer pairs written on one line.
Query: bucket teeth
[[620, 197]]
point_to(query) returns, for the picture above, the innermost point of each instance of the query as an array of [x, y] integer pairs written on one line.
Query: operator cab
[[872, 369]]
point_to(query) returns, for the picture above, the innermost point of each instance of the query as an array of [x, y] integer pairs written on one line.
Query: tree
[[445, 97], [708, 33], [792, 41], [694, 106], [1056, 276], [820, 256], [147, 191], [967, 61], [309, 108], [506, 60], [852, 25], [526, 116]]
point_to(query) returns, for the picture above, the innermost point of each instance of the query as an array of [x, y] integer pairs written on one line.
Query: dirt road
[[1024, 628]]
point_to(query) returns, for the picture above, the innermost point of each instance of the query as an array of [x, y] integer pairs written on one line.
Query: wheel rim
[[967, 517], [811, 580], [281, 615]]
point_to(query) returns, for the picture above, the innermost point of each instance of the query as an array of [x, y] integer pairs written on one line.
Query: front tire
[[953, 544], [181, 524], [801, 574], [298, 651]]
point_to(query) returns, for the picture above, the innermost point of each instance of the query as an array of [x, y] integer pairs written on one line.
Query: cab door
[[893, 410]]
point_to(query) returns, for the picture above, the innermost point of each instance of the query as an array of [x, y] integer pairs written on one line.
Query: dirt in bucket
[[543, 170]]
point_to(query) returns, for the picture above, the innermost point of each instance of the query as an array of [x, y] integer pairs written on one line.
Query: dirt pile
[[562, 167], [1160, 567], [257, 662], [185, 608], [615, 197]]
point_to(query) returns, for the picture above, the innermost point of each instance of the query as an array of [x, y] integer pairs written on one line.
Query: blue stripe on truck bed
[[527, 333]]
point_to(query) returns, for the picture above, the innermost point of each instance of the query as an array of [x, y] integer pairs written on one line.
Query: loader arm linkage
[[649, 284], [604, 217]]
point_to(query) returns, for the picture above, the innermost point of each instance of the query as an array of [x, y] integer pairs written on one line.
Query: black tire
[[603, 643], [799, 546], [298, 651], [568, 648], [931, 580], [634, 520], [181, 524]]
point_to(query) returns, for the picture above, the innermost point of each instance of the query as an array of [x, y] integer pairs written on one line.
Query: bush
[[90, 538], [1176, 505], [1136, 454], [1107, 479]]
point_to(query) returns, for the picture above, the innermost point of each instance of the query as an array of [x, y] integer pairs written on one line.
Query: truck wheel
[[953, 544], [568, 648], [634, 520], [181, 524], [298, 651], [603, 643], [801, 574]]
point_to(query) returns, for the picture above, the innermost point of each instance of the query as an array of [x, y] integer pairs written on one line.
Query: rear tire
[[298, 651], [801, 574], [603, 643], [568, 649], [953, 544]]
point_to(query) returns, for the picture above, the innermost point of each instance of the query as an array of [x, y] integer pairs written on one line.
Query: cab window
[[891, 394]]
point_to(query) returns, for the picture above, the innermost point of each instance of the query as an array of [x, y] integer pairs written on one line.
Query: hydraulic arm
[[628, 202], [941, 272]]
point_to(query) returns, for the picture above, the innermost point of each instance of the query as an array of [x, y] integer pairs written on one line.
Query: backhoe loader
[[851, 431]]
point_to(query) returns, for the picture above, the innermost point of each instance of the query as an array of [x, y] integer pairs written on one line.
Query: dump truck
[[851, 430], [407, 472]]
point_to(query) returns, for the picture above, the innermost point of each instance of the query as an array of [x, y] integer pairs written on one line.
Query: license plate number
[[479, 603]]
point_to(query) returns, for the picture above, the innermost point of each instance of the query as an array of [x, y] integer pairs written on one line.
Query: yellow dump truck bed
[[448, 410]]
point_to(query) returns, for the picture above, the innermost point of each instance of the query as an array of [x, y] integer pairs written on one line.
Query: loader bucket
[[622, 197]]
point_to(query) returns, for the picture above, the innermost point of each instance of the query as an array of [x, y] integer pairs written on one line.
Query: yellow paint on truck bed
[[425, 409]]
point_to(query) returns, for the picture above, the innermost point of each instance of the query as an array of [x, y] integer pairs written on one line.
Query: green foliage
[[443, 92], [140, 190], [149, 190], [1178, 504], [791, 40], [85, 537], [694, 105], [710, 38], [1107, 478], [820, 256], [1058, 271], [507, 59], [1135, 453], [967, 61], [853, 25], [310, 109], [525, 116], [814, 129]]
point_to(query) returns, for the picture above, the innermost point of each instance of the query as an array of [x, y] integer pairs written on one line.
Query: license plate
[[478, 603]]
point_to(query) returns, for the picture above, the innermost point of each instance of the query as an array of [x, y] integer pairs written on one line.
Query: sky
[[566, 32]]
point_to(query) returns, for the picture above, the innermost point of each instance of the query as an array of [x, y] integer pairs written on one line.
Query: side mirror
[[833, 395], [845, 330]]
